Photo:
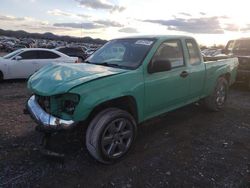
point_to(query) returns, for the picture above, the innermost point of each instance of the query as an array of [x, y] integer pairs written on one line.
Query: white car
[[23, 63]]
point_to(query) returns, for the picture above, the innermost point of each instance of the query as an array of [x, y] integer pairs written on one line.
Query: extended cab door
[[167, 89], [197, 70]]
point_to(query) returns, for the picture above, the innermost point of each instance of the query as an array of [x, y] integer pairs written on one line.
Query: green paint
[[154, 93]]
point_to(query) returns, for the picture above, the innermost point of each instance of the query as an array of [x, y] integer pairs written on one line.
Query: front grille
[[244, 63], [44, 102]]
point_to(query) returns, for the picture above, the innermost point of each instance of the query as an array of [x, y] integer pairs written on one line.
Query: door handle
[[184, 74]]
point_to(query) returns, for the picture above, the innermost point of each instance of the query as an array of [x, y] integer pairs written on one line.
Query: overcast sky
[[211, 21]]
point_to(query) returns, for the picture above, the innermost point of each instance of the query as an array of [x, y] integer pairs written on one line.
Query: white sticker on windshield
[[144, 42]]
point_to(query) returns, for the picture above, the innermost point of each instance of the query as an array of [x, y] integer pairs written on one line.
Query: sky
[[210, 22]]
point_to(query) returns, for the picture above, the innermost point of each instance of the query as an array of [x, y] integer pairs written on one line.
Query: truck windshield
[[122, 53]]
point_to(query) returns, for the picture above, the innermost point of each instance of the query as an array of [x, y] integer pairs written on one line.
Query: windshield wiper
[[112, 65], [104, 63], [107, 64]]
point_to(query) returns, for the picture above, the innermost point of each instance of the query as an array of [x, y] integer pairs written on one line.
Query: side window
[[47, 55], [193, 50], [230, 45], [29, 55], [171, 51]]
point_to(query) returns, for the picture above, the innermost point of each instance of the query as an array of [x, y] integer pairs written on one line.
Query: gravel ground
[[189, 147]]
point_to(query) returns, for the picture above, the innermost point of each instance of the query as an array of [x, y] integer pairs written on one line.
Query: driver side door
[[166, 90]]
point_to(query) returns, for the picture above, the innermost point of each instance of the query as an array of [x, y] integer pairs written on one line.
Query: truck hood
[[60, 78]]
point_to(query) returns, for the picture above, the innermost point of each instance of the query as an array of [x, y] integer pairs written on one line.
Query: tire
[[110, 135], [248, 84], [216, 101], [1, 76]]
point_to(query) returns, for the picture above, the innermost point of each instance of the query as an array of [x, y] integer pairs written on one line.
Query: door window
[[170, 51], [29, 55]]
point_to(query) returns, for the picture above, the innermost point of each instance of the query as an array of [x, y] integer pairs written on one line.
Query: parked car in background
[[124, 83], [19, 46], [23, 63], [89, 52], [73, 52], [240, 48]]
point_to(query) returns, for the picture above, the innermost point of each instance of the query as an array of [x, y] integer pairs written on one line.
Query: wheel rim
[[221, 95], [117, 138]]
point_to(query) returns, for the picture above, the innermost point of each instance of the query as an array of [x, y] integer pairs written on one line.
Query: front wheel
[[1, 76], [110, 135], [216, 101]]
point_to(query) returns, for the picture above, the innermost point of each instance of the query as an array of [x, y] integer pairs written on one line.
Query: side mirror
[[18, 58], [159, 66]]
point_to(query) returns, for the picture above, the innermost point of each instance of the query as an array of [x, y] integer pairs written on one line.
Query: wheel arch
[[127, 103]]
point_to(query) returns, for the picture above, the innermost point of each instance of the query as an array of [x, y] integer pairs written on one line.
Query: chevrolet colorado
[[124, 83]]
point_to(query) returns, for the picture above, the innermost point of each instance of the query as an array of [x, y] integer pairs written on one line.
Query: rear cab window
[[230, 45], [193, 52]]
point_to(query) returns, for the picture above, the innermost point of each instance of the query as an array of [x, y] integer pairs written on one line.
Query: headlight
[[69, 106], [69, 102]]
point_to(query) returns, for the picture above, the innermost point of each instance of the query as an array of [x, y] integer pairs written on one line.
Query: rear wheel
[[248, 84], [110, 135], [217, 99]]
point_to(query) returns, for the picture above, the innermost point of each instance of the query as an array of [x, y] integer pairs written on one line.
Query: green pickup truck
[[124, 83]]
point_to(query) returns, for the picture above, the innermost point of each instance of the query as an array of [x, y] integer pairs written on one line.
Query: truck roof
[[161, 37]]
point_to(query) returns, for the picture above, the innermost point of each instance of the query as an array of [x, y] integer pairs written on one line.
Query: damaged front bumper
[[47, 122]]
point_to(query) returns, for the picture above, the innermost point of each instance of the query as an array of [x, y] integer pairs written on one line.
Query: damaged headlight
[[69, 106], [68, 102]]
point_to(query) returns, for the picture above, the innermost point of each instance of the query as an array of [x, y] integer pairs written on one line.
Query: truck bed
[[220, 67]]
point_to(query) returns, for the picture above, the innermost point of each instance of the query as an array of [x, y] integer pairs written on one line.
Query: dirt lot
[[189, 147]]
